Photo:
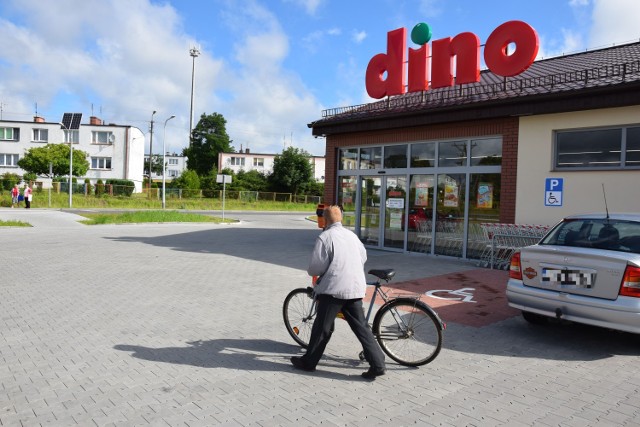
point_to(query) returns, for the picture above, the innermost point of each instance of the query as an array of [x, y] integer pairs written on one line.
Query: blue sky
[[269, 66]]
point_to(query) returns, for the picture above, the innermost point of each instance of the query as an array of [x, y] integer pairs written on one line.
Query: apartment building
[[246, 161], [113, 151]]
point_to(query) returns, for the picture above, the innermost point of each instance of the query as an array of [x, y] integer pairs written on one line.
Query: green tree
[[208, 138], [189, 182], [156, 165], [291, 170], [38, 159], [252, 180]]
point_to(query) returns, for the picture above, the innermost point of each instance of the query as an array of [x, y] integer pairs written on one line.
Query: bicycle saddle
[[385, 274]]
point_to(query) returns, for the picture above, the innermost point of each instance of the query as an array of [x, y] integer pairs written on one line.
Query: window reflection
[[371, 158], [348, 158], [395, 156], [423, 155], [452, 153]]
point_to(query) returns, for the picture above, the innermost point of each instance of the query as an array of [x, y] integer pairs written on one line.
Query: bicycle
[[408, 330]]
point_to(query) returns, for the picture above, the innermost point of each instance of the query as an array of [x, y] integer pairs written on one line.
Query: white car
[[586, 269]]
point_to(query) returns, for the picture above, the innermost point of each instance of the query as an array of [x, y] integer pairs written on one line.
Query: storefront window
[[588, 149], [484, 208], [450, 214], [486, 152], [395, 156], [348, 159], [633, 147], [371, 158], [419, 215], [452, 153], [423, 155]]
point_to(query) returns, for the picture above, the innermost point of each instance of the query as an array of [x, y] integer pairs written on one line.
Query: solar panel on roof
[[71, 120]]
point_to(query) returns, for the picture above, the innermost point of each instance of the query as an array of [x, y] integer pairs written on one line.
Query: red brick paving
[[488, 292]]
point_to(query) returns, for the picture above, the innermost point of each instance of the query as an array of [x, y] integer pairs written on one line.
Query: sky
[[269, 67]]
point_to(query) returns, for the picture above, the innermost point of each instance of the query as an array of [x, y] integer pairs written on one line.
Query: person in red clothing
[[27, 196], [15, 196]]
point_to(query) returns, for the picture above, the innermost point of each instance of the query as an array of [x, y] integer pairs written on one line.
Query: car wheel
[[536, 319]]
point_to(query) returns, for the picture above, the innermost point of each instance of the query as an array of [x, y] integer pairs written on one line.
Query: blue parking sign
[[553, 191]]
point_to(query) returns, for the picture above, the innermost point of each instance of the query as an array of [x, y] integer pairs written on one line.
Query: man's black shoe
[[372, 373], [298, 363]]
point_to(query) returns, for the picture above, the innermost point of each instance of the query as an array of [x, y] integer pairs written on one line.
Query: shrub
[[99, 188], [121, 187]]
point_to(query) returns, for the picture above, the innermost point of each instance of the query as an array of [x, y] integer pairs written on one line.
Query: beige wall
[[582, 191]]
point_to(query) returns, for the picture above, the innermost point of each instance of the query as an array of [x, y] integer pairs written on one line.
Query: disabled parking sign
[[553, 191]]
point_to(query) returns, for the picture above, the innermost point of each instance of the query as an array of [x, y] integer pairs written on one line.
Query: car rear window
[[609, 234]]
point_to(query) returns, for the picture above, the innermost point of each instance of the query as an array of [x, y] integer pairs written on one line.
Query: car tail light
[[515, 270], [631, 282]]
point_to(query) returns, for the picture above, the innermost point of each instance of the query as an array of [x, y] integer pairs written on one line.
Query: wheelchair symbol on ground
[[464, 294]]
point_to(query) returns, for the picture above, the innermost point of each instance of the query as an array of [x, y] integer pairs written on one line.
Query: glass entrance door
[[382, 201], [394, 212], [370, 212]]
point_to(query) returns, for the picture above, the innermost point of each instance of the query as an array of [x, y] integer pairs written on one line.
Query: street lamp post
[[150, 153], [194, 52], [68, 133], [164, 164]]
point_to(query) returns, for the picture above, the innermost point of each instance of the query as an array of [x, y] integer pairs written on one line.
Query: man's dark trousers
[[328, 308]]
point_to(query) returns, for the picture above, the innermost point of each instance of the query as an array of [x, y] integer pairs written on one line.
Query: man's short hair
[[332, 214]]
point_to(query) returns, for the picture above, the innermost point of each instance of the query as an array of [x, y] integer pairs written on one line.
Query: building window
[[486, 152], [348, 158], [371, 158], [395, 156], [40, 135], [633, 147], [423, 155], [100, 137], [236, 161], [171, 173], [452, 153], [9, 159], [9, 134], [101, 163], [73, 135], [611, 148], [258, 161], [173, 161]]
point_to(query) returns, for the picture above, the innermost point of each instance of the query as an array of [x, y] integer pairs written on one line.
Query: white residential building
[[247, 161], [113, 151], [175, 165]]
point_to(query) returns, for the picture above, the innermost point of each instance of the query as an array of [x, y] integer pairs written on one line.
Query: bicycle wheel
[[408, 332], [298, 312]]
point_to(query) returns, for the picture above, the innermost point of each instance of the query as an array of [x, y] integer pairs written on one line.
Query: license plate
[[567, 277]]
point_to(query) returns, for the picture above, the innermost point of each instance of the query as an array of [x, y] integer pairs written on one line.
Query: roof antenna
[[605, 200]]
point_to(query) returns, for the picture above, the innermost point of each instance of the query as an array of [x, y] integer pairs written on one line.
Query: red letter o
[[495, 49]]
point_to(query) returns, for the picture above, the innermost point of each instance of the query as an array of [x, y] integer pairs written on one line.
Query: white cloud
[[579, 3], [429, 8], [359, 36], [310, 6], [127, 58], [614, 21]]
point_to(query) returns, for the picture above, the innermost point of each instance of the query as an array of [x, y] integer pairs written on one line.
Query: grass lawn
[[13, 224], [148, 216]]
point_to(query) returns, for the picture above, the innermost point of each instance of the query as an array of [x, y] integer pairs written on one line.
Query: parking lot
[[181, 324]]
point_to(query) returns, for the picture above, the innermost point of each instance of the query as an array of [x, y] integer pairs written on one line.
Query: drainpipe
[[126, 153]]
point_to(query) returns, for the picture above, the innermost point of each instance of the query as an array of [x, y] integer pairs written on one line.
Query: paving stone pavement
[[181, 325]]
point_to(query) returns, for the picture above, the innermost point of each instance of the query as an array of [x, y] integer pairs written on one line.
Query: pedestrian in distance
[[28, 196], [338, 260], [15, 196]]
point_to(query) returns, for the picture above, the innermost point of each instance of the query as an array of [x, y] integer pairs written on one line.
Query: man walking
[[338, 259]]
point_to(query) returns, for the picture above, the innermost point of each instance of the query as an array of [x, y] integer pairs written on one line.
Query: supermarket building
[[425, 167]]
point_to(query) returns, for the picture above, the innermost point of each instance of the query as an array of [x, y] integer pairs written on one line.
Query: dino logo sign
[[387, 73]]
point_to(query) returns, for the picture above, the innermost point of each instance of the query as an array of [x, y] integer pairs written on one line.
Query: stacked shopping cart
[[502, 240]]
